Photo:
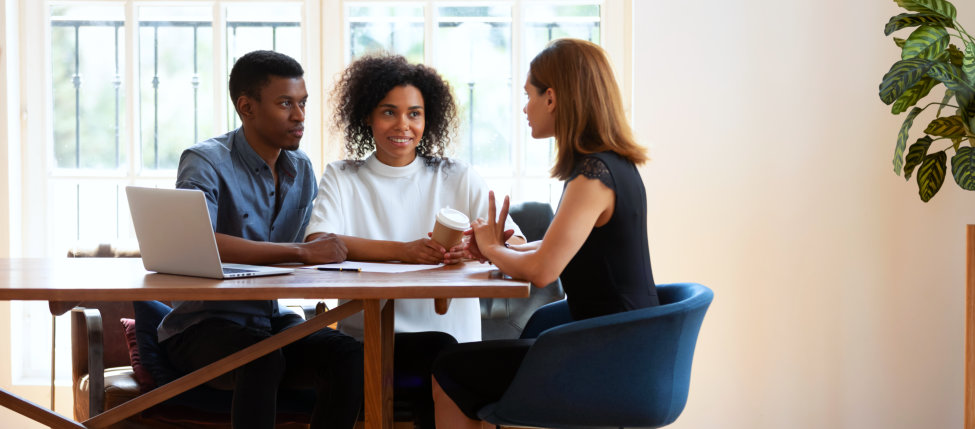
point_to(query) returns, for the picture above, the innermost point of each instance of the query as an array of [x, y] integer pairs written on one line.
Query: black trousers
[[413, 357], [327, 361], [476, 374]]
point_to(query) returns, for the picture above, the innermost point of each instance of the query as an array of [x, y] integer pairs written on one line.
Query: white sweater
[[380, 202]]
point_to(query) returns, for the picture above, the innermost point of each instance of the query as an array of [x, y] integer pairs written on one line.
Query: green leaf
[[950, 75], [900, 42], [968, 62], [902, 139], [963, 168], [940, 7], [925, 42], [956, 142], [949, 126], [905, 20], [931, 175], [955, 56], [913, 94], [966, 107], [944, 101], [902, 76], [916, 154]]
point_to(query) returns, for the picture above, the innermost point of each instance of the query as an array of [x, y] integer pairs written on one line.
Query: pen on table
[[339, 269]]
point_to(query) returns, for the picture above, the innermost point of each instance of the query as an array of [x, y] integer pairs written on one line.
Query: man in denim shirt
[[259, 190]]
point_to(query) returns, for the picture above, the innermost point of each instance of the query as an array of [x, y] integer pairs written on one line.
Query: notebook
[[175, 236]]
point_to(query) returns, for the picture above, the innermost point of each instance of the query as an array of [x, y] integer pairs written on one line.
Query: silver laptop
[[175, 236]]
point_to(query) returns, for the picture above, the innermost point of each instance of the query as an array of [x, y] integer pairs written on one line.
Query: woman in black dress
[[597, 243]]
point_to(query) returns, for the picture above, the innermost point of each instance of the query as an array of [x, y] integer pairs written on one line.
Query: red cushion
[[142, 376]]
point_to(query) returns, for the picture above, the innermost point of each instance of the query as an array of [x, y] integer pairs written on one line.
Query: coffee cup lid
[[453, 219]]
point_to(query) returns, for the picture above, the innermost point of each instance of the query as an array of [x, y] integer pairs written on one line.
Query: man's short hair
[[254, 70]]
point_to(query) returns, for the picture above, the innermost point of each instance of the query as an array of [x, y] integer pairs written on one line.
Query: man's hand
[[323, 248]]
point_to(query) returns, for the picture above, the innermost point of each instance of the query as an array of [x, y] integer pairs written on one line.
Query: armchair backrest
[[115, 351], [629, 369], [97, 342], [506, 317], [533, 218]]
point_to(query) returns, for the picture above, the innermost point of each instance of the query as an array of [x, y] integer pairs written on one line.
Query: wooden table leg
[[378, 364], [441, 305], [35, 412], [388, 349]]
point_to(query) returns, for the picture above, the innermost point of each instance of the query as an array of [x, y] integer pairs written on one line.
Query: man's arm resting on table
[[322, 249]]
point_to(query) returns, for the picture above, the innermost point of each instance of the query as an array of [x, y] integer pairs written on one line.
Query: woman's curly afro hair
[[367, 81]]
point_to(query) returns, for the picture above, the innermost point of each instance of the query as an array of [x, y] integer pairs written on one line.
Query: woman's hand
[[423, 251], [456, 253], [473, 252], [490, 233]]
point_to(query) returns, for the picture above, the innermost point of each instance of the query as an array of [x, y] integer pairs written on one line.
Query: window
[[131, 85], [124, 86], [476, 46], [101, 142]]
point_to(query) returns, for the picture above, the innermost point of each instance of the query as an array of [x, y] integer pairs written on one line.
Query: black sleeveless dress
[[610, 274]]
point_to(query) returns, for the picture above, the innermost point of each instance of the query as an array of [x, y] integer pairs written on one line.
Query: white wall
[[839, 294]]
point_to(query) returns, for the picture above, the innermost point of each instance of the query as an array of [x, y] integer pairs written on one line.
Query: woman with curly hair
[[382, 200]]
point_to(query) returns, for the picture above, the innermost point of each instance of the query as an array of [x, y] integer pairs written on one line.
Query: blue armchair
[[628, 369]]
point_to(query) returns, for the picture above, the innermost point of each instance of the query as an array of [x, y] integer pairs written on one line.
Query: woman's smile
[[397, 125]]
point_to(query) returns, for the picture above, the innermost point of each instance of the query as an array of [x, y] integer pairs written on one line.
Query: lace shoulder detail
[[594, 168]]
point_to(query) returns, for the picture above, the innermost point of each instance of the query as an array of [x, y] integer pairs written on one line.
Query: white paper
[[380, 267]]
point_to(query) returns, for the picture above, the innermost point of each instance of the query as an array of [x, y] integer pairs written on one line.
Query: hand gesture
[[491, 232], [470, 247]]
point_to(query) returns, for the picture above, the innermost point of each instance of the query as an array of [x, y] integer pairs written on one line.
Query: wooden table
[[105, 279]]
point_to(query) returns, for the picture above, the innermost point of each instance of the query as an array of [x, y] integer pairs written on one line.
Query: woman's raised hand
[[491, 232]]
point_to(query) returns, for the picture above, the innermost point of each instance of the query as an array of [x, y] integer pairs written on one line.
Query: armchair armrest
[[87, 356], [615, 370], [546, 317]]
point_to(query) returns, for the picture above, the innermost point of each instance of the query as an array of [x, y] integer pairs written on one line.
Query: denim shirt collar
[[253, 161]]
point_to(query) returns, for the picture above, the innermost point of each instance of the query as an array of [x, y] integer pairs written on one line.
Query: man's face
[[277, 120]]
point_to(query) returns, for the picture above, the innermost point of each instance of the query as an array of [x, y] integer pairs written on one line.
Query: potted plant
[[938, 51]]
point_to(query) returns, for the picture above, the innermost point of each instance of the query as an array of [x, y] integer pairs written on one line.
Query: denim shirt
[[241, 198]]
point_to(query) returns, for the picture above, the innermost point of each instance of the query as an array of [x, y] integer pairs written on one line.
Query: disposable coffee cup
[[449, 228]]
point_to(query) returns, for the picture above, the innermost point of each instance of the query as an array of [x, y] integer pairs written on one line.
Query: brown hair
[[589, 114]]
